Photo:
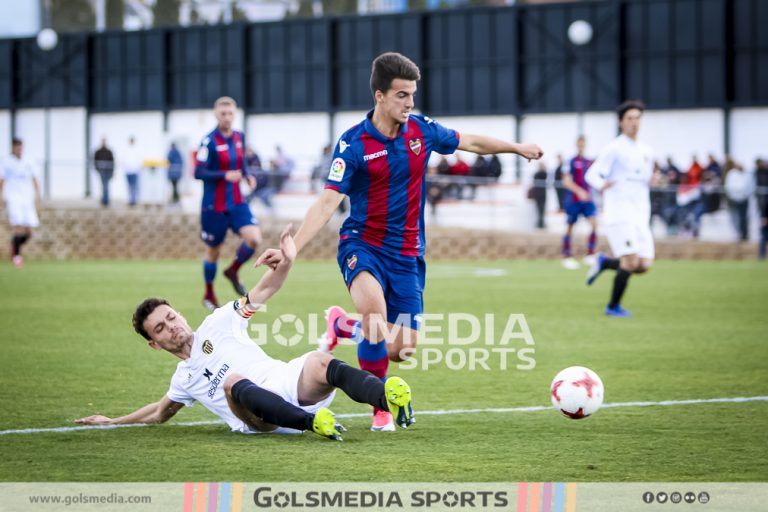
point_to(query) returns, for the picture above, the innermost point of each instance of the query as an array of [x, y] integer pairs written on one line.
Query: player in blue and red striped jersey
[[579, 202], [381, 165], [220, 167]]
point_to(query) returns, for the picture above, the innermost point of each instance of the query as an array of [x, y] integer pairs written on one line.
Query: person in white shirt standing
[[739, 187], [623, 173], [230, 375], [21, 191], [132, 164]]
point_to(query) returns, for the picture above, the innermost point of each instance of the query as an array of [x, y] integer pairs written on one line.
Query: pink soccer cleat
[[382, 421], [330, 339]]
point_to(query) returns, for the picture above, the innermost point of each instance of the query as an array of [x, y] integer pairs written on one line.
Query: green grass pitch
[[700, 331]]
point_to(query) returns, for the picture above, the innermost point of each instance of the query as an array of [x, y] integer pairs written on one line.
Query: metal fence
[[504, 60]]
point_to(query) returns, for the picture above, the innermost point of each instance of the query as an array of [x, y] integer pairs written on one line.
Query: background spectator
[[175, 168], [132, 164], [714, 167], [538, 192], [763, 230], [320, 170], [559, 188], [494, 167], [104, 162], [761, 182], [694, 172], [739, 187]]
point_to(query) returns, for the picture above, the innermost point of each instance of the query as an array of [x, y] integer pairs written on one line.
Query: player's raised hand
[[287, 244], [530, 151], [270, 258], [94, 420]]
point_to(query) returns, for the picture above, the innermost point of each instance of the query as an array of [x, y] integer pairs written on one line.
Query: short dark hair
[[389, 66], [629, 105], [16, 141], [143, 310]]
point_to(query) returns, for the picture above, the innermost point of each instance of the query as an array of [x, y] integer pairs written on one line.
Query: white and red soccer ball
[[577, 392]]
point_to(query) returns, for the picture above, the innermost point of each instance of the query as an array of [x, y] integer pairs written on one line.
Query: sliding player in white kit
[[235, 379], [623, 173]]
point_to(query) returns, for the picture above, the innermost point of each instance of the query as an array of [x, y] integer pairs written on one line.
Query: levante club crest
[[415, 145], [351, 262]]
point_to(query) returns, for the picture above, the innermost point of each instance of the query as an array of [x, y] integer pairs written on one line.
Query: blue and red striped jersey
[[215, 156], [384, 179], [579, 166]]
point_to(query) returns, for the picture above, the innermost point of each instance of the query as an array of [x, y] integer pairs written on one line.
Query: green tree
[[115, 14], [194, 17], [166, 13], [339, 7], [71, 15]]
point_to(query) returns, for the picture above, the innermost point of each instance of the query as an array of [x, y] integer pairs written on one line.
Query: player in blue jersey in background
[[381, 165], [579, 203], [220, 167]]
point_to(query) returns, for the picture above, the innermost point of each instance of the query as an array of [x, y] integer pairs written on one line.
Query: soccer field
[[699, 332]]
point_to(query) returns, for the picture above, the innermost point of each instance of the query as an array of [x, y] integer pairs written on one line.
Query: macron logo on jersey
[[375, 155], [342, 146]]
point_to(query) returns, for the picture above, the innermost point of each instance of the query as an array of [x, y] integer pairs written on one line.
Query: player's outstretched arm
[[273, 280], [158, 412], [316, 217], [484, 145]]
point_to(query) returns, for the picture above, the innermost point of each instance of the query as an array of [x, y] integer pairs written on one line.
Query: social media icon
[[703, 497], [648, 497]]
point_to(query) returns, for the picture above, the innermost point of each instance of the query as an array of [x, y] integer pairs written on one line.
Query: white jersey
[[221, 347], [629, 164], [18, 176]]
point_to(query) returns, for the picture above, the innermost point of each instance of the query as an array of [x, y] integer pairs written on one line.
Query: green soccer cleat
[[398, 394], [325, 425]]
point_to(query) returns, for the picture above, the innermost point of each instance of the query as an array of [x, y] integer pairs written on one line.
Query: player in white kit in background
[[623, 173], [224, 370], [21, 191]]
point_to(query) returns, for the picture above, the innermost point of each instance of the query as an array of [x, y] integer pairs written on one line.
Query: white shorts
[[283, 380], [22, 213], [627, 239]]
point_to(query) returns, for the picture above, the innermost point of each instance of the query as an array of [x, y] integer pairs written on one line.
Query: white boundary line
[[418, 413]]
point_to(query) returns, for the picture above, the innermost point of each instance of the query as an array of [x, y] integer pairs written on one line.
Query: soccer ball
[[577, 392], [580, 32], [47, 39]]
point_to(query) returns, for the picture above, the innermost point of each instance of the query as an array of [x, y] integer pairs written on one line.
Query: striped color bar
[[200, 489], [522, 496], [213, 497], [237, 497], [226, 496], [189, 496], [546, 497], [570, 497], [533, 500]]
